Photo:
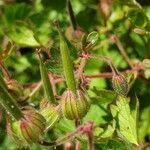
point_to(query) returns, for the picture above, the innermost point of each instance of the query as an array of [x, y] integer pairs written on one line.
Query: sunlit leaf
[[23, 36], [99, 118], [103, 96], [104, 132], [126, 122]]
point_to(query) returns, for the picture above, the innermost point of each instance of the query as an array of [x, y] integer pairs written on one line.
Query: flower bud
[[28, 129], [74, 35], [32, 125], [50, 112], [15, 89], [120, 84], [139, 31], [74, 106], [146, 63]]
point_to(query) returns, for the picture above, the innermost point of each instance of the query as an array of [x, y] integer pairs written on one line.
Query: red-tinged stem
[[100, 75], [88, 130], [38, 86], [82, 129], [80, 69], [5, 71], [77, 144], [52, 80], [90, 141], [59, 79], [115, 39], [108, 61]]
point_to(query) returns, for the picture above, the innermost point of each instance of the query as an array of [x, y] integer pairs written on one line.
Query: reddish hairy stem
[[90, 141], [100, 75], [58, 78], [81, 68], [115, 39], [52, 80], [83, 129], [77, 144], [5, 71]]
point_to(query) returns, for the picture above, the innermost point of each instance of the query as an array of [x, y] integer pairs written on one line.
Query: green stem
[[8, 102], [46, 82], [67, 63], [2, 82]]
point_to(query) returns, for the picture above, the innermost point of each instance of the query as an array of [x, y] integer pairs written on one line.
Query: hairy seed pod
[[120, 84], [50, 112], [67, 63], [32, 125], [46, 82], [74, 106]]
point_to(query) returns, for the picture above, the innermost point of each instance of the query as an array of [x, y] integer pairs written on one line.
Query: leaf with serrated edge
[[126, 122]]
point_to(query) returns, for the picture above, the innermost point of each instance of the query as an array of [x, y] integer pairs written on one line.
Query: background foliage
[[30, 24]]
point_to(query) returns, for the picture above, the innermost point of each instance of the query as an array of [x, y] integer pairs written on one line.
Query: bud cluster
[[50, 112], [120, 84], [74, 106]]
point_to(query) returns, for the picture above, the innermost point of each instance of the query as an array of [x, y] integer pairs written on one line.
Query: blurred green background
[[30, 24]]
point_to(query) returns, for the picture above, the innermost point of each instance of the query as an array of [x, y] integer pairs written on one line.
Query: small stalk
[[81, 68], [46, 82], [8, 102], [109, 62], [5, 71], [71, 15], [2, 82], [90, 141], [86, 128], [123, 52], [78, 143], [67, 63]]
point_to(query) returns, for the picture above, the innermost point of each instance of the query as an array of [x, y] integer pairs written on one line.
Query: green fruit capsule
[[50, 112], [120, 84], [14, 132], [74, 106], [28, 129], [32, 125]]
